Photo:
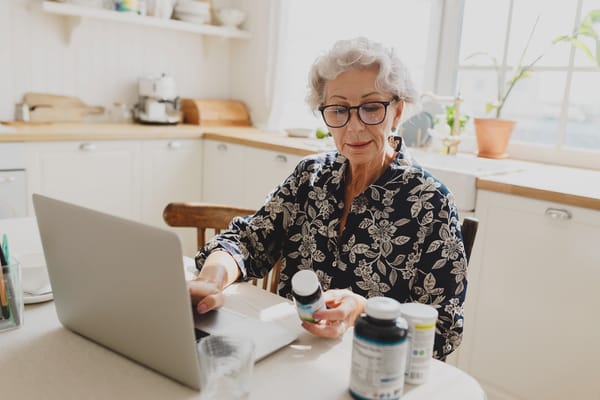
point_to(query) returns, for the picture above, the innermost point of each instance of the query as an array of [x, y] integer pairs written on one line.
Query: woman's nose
[[354, 120]]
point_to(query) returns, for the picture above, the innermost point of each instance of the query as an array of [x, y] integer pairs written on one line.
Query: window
[[557, 109], [309, 27]]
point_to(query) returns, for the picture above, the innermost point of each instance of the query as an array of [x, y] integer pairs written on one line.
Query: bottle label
[[420, 338], [377, 368], [305, 311]]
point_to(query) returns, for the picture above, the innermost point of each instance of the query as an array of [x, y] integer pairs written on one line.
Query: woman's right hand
[[218, 272], [206, 295]]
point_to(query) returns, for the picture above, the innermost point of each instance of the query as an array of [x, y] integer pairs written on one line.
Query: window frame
[[446, 83]]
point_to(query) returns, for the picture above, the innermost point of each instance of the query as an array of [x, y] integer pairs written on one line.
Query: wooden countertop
[[573, 186], [41, 132], [268, 141]]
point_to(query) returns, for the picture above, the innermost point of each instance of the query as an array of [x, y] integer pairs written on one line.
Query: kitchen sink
[[460, 172]]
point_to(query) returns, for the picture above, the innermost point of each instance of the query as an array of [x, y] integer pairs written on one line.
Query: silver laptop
[[122, 284]]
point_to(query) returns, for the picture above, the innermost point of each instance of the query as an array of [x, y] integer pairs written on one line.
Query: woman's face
[[358, 142]]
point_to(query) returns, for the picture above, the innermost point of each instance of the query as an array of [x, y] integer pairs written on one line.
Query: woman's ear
[[398, 107]]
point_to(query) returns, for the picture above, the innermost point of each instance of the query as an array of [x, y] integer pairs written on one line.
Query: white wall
[[250, 59], [103, 61]]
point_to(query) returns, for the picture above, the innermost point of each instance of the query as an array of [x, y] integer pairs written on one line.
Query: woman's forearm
[[221, 268]]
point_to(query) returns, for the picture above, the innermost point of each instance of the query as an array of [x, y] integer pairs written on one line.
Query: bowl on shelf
[[230, 17], [192, 18], [194, 11], [194, 7]]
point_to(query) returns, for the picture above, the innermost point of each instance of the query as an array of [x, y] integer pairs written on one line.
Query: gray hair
[[358, 53]]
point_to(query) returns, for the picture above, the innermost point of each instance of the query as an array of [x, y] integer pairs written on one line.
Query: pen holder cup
[[11, 296]]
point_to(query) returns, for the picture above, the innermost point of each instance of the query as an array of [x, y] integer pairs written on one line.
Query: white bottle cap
[[305, 282], [383, 308], [419, 312]]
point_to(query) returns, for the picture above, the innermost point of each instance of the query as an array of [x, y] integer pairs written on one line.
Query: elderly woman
[[366, 218]]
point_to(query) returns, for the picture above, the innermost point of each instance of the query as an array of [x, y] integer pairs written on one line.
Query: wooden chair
[[469, 230], [206, 217], [213, 218]]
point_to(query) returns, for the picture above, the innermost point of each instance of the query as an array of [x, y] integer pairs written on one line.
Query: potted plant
[[493, 134], [452, 127]]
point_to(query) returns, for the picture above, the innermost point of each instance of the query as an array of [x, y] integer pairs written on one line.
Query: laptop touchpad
[[267, 336]]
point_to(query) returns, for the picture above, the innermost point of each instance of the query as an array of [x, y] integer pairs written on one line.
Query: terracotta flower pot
[[492, 136]]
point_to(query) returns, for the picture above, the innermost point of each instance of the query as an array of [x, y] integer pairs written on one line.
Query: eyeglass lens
[[369, 113]]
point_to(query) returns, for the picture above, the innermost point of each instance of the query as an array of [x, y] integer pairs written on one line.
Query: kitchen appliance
[[158, 102]]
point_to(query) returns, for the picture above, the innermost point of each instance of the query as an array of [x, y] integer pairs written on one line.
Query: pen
[[5, 246], [3, 300], [2, 257]]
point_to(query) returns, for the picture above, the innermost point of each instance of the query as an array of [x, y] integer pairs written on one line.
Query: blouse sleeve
[[256, 241], [443, 281]]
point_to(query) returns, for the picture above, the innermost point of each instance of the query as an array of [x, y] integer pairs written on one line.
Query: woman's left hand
[[343, 307]]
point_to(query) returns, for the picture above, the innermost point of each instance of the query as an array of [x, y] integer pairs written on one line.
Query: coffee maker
[[158, 103]]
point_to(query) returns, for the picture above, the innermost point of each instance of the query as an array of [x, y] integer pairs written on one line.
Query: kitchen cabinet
[[104, 175], [242, 175], [131, 179], [171, 172], [223, 181], [263, 170], [530, 326], [13, 194]]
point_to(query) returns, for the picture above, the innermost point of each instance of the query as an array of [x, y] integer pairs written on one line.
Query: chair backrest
[[214, 217], [469, 231], [206, 217]]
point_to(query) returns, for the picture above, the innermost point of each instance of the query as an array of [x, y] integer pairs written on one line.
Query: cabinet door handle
[[222, 147], [281, 158], [7, 179], [87, 146], [174, 144], [558, 213]]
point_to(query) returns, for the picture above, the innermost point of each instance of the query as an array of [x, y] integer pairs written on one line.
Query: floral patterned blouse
[[402, 238]]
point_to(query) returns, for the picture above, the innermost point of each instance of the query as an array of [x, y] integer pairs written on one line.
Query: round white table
[[42, 359]]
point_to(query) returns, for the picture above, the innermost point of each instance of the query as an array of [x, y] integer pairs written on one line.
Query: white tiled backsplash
[[103, 60]]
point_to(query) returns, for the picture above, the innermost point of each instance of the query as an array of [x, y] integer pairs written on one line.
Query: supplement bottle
[[379, 351], [307, 293], [421, 319]]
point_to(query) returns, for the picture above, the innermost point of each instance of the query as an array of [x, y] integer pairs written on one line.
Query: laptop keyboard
[[200, 334]]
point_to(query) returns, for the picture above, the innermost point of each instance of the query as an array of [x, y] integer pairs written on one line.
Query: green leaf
[[562, 38], [583, 47], [489, 107], [594, 15], [587, 30], [526, 73]]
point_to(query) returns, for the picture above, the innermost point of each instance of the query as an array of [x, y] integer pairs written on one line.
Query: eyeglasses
[[371, 113]]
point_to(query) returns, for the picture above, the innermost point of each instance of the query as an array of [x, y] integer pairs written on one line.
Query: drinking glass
[[226, 364]]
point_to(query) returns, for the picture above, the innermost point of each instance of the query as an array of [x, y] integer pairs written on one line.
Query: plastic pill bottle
[[421, 319], [307, 293], [379, 351]]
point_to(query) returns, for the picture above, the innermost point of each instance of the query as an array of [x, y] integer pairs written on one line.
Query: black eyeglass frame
[[357, 108]]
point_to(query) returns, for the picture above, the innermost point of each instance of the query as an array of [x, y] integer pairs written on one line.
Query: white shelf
[[75, 12]]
